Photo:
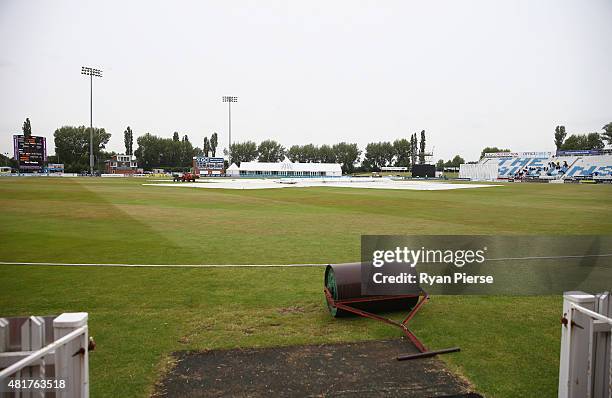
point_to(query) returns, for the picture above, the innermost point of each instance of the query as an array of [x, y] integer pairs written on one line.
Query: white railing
[[60, 364], [585, 369]]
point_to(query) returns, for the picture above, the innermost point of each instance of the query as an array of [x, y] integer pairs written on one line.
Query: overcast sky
[[471, 73]]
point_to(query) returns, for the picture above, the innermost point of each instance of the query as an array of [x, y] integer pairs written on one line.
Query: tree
[[388, 153], [595, 141], [401, 149], [206, 146], [147, 152], [346, 154], [378, 154], [492, 149], [422, 148], [327, 154], [296, 154], [185, 152], [457, 161], [305, 154], [157, 152], [311, 153], [214, 141], [583, 142], [8, 162], [413, 148], [244, 152], [270, 151], [72, 146], [175, 136], [27, 128], [607, 135], [371, 161], [128, 140], [559, 136]]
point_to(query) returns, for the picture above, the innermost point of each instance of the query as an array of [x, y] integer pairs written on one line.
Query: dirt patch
[[291, 310], [365, 369]]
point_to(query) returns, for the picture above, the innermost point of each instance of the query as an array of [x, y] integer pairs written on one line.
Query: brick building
[[121, 164]]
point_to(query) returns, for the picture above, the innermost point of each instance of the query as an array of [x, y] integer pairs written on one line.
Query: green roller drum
[[344, 283], [330, 284]]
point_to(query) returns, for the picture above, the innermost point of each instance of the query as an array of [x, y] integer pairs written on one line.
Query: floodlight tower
[[91, 72], [229, 101]]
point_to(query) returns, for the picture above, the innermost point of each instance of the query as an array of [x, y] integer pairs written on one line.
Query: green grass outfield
[[510, 345]]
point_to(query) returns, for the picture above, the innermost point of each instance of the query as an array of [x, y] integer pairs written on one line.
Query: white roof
[[233, 167], [286, 165]]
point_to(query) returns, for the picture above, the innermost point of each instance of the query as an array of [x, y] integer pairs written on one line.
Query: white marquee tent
[[285, 168]]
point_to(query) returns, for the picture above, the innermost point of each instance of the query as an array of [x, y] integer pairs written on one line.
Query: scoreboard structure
[[206, 166], [424, 170], [30, 153]]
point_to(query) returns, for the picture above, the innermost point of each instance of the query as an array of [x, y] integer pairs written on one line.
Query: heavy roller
[[343, 295]]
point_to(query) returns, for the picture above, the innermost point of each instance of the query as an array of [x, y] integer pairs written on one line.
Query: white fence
[[44, 356], [585, 370]]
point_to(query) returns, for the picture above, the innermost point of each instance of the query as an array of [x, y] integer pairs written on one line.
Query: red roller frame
[[345, 305]]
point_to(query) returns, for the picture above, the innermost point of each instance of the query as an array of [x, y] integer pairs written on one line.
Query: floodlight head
[[227, 98], [86, 70]]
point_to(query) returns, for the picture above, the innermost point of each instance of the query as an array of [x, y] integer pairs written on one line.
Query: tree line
[[347, 154], [72, 149], [587, 141], [401, 152], [454, 162], [169, 153]]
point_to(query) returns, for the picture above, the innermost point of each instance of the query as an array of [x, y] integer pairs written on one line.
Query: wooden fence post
[[33, 339], [574, 350], [4, 335], [602, 373], [72, 359]]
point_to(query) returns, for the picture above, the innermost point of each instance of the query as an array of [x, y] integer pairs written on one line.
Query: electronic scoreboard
[[207, 166], [30, 152]]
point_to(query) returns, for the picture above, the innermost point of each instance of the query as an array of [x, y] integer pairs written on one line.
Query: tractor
[[185, 177]]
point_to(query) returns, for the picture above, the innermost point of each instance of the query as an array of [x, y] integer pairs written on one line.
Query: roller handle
[[426, 354]]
